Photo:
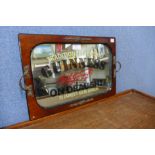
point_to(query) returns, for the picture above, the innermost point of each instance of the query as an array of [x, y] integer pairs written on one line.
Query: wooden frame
[[28, 41]]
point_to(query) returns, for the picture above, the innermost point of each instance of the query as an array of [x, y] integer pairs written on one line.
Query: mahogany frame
[[28, 41]]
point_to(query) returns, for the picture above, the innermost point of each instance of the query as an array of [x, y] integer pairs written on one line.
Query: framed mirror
[[62, 72]]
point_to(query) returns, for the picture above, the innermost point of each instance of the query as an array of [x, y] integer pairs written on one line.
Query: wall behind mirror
[[135, 50]]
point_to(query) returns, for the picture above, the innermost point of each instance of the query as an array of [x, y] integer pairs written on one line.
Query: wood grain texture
[[130, 109]]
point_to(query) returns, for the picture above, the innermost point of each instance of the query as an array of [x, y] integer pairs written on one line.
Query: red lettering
[[74, 77]]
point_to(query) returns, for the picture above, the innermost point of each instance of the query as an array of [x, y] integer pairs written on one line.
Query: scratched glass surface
[[65, 73]]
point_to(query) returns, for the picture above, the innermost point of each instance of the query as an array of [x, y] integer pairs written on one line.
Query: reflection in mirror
[[65, 73]]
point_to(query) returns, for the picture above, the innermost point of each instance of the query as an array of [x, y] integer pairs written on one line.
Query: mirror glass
[[64, 73]]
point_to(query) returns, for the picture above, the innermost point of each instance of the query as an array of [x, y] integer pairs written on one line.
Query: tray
[[129, 109]]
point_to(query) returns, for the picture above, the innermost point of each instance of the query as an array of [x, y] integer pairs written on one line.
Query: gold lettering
[[62, 56]]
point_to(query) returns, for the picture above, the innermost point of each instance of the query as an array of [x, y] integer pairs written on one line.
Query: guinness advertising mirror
[[62, 72]]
